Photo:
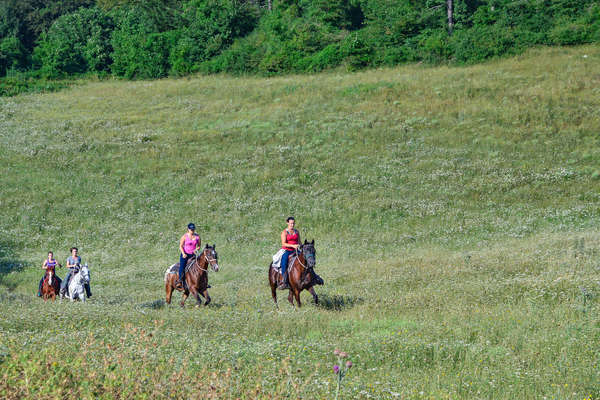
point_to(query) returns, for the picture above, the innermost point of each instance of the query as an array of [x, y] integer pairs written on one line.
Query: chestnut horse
[[50, 286], [301, 274], [196, 276]]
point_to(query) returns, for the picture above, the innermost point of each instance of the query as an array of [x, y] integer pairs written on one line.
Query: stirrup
[[283, 284]]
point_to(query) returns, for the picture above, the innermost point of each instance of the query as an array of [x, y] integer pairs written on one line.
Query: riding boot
[[284, 285], [88, 291], [180, 283]]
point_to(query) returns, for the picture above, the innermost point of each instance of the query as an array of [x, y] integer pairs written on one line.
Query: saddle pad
[[277, 258], [174, 269], [290, 263]]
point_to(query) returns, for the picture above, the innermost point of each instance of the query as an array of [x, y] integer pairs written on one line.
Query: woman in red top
[[290, 239]]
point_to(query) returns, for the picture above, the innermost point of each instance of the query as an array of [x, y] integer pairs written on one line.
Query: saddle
[[291, 260], [174, 269]]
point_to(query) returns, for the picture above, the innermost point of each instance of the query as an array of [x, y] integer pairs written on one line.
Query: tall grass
[[455, 213]]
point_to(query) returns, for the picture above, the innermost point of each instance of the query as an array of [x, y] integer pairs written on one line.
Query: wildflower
[[343, 354], [348, 364], [336, 368], [336, 352]]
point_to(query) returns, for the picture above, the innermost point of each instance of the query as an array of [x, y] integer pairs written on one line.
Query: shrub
[[76, 43], [13, 55], [568, 33], [481, 43], [211, 26], [139, 48]]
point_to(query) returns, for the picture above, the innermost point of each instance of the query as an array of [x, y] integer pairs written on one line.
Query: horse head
[[85, 274], [211, 256], [310, 254]]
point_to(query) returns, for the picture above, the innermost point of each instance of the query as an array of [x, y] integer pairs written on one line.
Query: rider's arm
[[181, 245], [44, 264], [199, 242]]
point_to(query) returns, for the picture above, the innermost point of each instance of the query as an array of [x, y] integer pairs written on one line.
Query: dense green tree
[[13, 55], [28, 19], [76, 43], [210, 27]]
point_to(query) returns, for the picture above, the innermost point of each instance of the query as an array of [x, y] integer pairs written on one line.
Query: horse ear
[[214, 246], [305, 241], [206, 246], [313, 241]]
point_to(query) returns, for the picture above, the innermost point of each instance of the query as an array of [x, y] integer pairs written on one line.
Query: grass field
[[455, 211]]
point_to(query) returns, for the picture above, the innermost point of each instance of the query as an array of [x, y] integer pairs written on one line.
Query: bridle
[[300, 261], [208, 260]]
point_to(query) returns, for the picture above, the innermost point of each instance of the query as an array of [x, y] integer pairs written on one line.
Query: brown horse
[[50, 286], [196, 276], [301, 274]]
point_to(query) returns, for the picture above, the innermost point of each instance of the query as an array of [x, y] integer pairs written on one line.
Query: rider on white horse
[[73, 262], [80, 278]]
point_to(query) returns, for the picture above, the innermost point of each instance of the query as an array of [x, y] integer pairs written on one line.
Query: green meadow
[[455, 213]]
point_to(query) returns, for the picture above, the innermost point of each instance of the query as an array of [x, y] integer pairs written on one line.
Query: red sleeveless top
[[291, 238]]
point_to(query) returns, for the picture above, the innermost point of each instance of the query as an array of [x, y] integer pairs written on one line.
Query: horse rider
[[73, 261], [48, 264], [188, 244], [290, 239]]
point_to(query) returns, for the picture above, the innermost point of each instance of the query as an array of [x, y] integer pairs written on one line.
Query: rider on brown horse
[[290, 239], [48, 264], [188, 244]]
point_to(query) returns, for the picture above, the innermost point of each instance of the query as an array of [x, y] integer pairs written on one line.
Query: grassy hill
[[455, 213]]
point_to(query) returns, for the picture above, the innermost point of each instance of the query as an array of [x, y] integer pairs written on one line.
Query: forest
[[148, 39]]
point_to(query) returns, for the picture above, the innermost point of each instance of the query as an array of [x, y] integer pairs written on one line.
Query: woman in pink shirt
[[188, 244]]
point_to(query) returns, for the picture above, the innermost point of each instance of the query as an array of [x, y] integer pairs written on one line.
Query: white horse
[[79, 277]]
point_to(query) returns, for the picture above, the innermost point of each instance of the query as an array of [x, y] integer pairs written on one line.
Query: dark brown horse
[[196, 276], [300, 272], [50, 286]]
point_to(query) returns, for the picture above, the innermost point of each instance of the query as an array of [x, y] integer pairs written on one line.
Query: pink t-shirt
[[189, 245]]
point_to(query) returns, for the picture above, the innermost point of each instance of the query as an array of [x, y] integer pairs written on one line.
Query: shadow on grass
[[154, 305], [337, 302], [160, 304], [8, 264]]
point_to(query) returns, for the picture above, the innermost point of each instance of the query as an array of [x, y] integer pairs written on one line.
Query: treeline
[[157, 38]]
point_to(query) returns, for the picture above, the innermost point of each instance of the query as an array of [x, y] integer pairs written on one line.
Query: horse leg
[[195, 293], [297, 295], [169, 292], [198, 299], [314, 294], [291, 297], [207, 297], [185, 295], [274, 294]]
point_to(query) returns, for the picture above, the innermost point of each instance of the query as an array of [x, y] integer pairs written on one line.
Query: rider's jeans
[[284, 261], [183, 263], [65, 282]]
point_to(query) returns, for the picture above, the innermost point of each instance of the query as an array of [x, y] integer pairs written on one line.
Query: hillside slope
[[455, 213]]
